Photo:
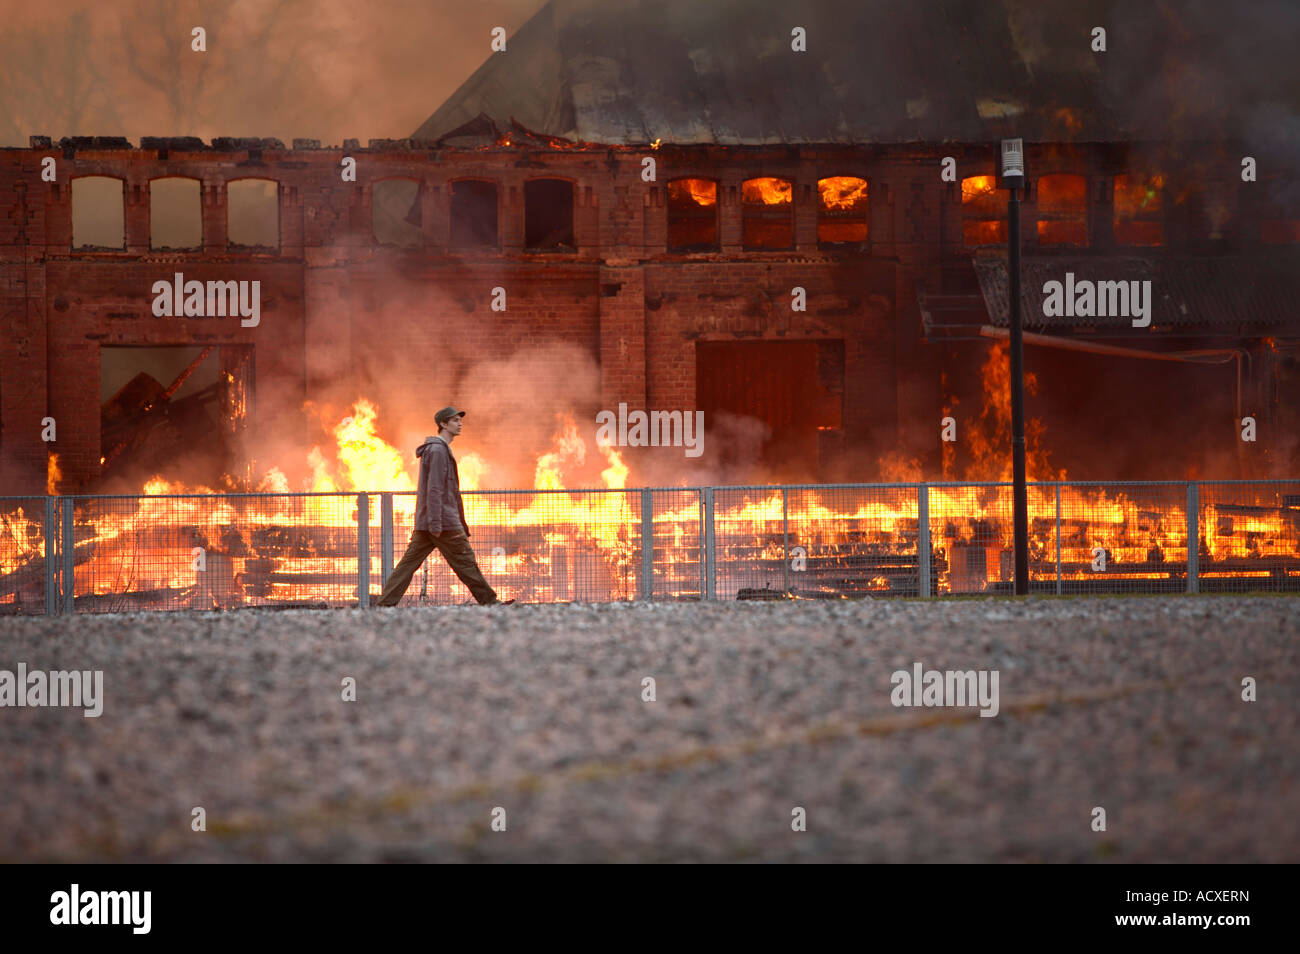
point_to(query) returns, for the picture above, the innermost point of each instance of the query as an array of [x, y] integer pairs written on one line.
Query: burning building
[[787, 220], [817, 261]]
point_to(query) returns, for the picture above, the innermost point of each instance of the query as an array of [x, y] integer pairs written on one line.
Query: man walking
[[440, 518]]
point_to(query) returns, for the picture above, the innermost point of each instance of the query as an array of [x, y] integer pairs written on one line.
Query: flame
[[1063, 192], [1138, 205], [700, 192], [370, 462], [977, 188], [321, 481], [615, 475], [768, 191], [274, 482], [562, 545], [52, 475], [896, 468], [990, 434], [842, 193], [472, 470], [983, 220], [984, 232], [570, 449], [948, 449], [1136, 194]]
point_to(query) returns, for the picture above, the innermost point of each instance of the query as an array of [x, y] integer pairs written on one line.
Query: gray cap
[[446, 414]]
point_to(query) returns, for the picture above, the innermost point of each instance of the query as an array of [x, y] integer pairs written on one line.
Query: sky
[[316, 69]]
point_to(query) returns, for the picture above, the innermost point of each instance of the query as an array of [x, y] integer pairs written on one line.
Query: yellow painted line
[[404, 799]]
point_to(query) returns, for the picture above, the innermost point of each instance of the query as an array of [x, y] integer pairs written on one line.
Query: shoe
[[501, 603]]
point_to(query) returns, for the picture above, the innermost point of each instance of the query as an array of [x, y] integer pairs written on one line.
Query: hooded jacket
[[438, 505]]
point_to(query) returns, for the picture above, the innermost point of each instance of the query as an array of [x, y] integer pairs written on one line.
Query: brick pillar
[[512, 216], [57, 230], [586, 218], [654, 217], [291, 224], [806, 203], [1101, 212], [135, 206], [435, 208], [23, 347], [327, 317], [622, 337], [215, 215], [730, 222]]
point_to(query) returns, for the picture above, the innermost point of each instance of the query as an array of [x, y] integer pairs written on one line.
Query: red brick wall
[[343, 317]]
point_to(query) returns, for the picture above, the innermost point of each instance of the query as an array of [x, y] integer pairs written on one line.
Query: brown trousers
[[455, 549]]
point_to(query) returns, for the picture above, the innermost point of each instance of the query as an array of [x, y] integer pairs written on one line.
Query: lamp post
[[1013, 178]]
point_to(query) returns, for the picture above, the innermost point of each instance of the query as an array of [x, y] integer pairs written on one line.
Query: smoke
[[412, 344], [318, 69]]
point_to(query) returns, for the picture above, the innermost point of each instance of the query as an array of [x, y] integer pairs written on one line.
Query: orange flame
[[977, 188], [768, 191], [990, 435], [700, 192], [842, 193]]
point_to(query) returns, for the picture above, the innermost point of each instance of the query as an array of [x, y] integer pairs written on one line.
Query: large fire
[[187, 547]]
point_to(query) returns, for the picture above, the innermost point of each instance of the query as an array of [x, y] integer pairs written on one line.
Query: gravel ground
[[1133, 705]]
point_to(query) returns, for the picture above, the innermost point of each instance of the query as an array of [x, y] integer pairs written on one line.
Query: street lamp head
[[1013, 163]]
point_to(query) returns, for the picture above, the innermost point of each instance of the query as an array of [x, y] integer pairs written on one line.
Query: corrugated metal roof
[[1246, 293], [890, 71]]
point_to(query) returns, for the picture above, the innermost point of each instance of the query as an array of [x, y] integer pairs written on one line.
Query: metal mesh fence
[[24, 571], [748, 551], [200, 552], [537, 546], [971, 536], [828, 541], [1249, 536], [1124, 538], [677, 557]]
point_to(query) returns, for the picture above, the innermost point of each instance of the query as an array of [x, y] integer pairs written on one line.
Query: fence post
[[69, 545], [363, 550], [1058, 538], [923, 540], [1193, 538], [785, 524], [709, 589], [386, 536], [51, 555], [647, 545]]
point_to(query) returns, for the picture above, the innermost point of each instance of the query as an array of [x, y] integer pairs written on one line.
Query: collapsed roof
[[890, 71]]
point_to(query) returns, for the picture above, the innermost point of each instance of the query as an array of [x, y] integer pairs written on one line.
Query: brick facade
[[330, 293]]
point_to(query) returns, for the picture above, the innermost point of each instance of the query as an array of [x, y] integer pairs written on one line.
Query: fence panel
[[1124, 537], [826, 542], [24, 571], [678, 545], [853, 541], [537, 546], [972, 537], [200, 552], [205, 552], [1249, 536]]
